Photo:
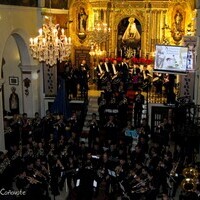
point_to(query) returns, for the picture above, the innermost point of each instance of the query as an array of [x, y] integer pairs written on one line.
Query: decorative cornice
[[29, 68]]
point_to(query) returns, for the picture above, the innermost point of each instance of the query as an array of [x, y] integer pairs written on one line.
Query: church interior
[[99, 99]]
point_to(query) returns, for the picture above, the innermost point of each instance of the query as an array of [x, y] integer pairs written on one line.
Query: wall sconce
[[27, 82]]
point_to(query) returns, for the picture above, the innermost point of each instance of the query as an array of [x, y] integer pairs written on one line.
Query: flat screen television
[[171, 59]]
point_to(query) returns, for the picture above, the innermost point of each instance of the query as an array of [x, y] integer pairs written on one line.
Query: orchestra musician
[[114, 69], [136, 77], [115, 74], [100, 68], [108, 66], [84, 75], [125, 71], [158, 82], [146, 77]]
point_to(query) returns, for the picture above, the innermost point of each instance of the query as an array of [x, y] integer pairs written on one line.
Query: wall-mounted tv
[[171, 59]]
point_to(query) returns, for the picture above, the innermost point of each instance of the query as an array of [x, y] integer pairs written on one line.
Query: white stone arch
[[21, 39], [16, 42]]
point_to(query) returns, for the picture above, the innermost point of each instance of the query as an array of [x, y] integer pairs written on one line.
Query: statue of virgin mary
[[131, 33]]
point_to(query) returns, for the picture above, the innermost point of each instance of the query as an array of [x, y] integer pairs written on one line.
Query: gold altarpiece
[[156, 18], [157, 21]]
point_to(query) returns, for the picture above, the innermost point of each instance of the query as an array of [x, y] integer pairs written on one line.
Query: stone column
[[41, 3], [31, 89], [197, 72], [2, 138]]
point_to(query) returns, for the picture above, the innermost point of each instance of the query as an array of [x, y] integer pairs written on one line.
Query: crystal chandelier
[[99, 34], [51, 45], [96, 51]]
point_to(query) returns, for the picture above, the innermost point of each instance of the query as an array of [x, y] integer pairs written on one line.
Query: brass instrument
[[141, 186], [189, 183], [32, 180], [174, 169], [190, 173]]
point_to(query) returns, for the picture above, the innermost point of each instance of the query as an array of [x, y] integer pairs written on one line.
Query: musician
[[83, 75], [86, 178], [169, 88], [158, 82], [100, 73], [37, 127], [125, 71], [114, 68], [26, 127], [55, 167], [102, 106], [146, 77], [108, 91], [93, 124], [115, 74], [47, 122], [59, 126], [74, 80], [67, 75], [111, 129], [136, 77], [123, 109], [108, 66], [15, 124], [138, 107], [161, 176], [71, 170]]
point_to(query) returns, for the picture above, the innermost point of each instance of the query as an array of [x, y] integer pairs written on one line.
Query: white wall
[[11, 69], [17, 25]]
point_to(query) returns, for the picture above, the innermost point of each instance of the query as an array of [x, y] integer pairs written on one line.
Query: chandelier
[[51, 45], [100, 33], [96, 51], [97, 35]]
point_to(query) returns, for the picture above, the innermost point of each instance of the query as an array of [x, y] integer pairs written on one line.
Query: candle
[[69, 40], [115, 52], [31, 41], [62, 31], [40, 31], [121, 53]]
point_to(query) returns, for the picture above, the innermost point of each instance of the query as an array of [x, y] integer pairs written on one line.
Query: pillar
[[31, 89], [2, 138], [197, 72], [41, 3]]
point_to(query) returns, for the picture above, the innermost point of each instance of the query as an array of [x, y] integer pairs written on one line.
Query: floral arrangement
[[142, 61]]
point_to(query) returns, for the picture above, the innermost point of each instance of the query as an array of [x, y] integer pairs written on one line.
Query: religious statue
[[14, 102], [177, 27], [82, 20], [131, 33]]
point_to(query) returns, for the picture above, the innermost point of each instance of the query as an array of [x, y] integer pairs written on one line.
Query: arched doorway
[[129, 38], [15, 54]]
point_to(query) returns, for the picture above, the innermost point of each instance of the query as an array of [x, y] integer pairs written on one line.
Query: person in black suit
[[125, 71], [84, 74], [86, 182], [100, 69], [138, 107]]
